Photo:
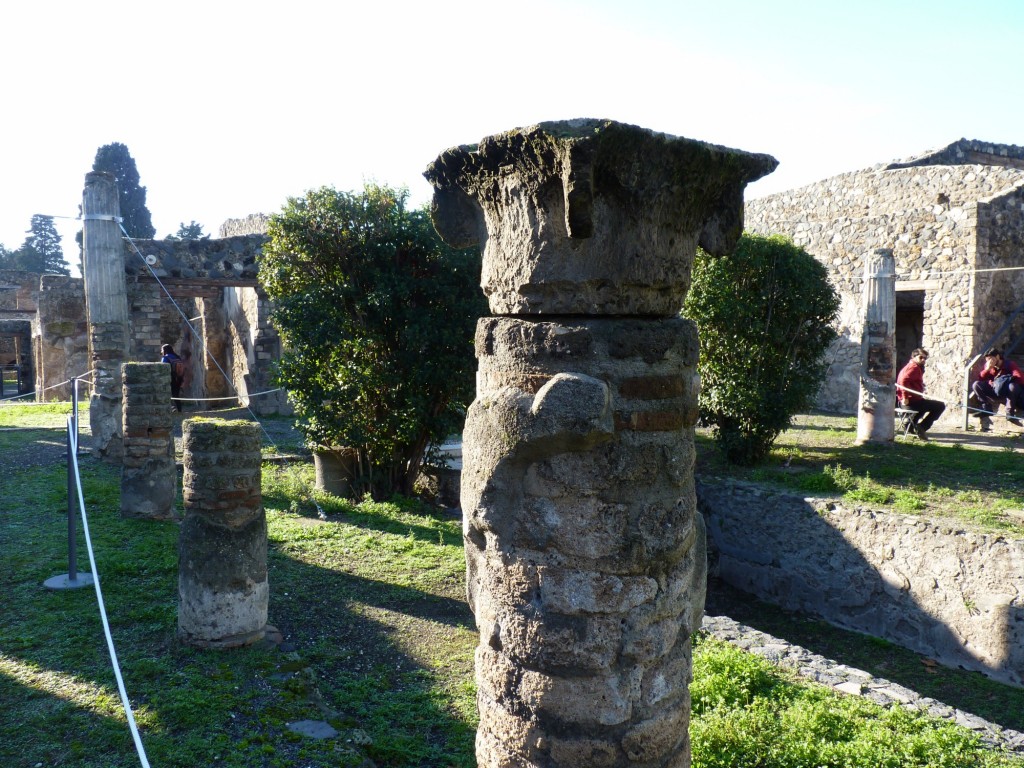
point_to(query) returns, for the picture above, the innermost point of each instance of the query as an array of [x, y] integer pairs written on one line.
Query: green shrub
[[765, 315], [376, 316]]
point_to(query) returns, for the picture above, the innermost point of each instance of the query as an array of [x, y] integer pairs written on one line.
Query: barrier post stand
[[72, 579]]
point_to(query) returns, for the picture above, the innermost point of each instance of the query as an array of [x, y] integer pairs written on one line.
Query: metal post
[[71, 579]]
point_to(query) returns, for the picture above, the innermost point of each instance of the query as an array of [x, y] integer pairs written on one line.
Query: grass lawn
[[377, 641], [982, 489]]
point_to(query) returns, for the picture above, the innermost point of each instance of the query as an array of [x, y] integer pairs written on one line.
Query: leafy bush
[[765, 315], [377, 317]]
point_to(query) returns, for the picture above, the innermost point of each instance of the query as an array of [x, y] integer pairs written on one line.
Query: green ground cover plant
[[818, 456], [376, 640]]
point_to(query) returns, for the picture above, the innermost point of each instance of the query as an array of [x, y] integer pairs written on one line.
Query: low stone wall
[[932, 587]]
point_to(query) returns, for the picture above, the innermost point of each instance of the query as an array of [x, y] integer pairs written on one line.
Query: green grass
[[377, 641], [748, 714], [818, 455]]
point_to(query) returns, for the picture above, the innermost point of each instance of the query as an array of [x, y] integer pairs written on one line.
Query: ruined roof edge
[[966, 152]]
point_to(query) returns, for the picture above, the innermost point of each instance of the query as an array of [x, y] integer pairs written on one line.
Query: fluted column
[[876, 411], [106, 303]]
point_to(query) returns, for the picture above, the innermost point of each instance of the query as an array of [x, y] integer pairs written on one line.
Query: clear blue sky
[[231, 107]]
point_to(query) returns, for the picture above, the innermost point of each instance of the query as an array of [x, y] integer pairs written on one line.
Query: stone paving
[[850, 681]]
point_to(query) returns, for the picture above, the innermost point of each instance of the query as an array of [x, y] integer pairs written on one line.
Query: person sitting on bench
[[1000, 381], [910, 390]]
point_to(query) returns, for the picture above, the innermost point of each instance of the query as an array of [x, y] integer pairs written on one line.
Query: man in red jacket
[[910, 390], [999, 381]]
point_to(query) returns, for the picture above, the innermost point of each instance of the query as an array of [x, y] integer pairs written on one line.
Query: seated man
[[910, 391], [1000, 381]]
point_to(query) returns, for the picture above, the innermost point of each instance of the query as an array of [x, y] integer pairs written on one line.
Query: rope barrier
[[231, 397], [132, 725], [81, 379], [961, 406]]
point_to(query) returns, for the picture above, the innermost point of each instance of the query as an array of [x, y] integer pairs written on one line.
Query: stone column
[[585, 551], [149, 478], [222, 549], [106, 307], [876, 413]]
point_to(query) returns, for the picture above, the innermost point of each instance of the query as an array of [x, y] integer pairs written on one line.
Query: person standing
[[910, 390], [177, 373]]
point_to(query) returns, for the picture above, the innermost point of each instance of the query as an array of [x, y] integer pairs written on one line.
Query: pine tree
[[115, 159], [42, 251]]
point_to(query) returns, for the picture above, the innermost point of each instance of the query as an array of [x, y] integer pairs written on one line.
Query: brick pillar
[[584, 549], [149, 478], [222, 550]]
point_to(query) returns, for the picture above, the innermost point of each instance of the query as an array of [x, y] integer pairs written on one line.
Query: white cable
[[231, 397], [73, 439]]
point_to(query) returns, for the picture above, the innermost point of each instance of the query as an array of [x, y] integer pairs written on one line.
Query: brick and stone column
[[222, 549], [585, 552], [106, 306], [149, 478]]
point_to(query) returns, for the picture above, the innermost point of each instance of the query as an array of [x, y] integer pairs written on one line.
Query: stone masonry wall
[[1001, 245], [929, 217], [930, 586], [61, 346], [255, 344]]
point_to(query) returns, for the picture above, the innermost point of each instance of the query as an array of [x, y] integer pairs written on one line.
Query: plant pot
[[335, 470]]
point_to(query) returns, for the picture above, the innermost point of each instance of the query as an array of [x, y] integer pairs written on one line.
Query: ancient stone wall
[[931, 586], [18, 290], [232, 258], [929, 217], [253, 224], [967, 152], [255, 344], [1001, 245], [61, 343]]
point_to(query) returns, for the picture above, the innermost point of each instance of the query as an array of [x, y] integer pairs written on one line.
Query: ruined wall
[[18, 290], [60, 337], [254, 346], [967, 152], [929, 217], [1000, 245], [253, 224], [950, 594], [230, 258], [234, 344]]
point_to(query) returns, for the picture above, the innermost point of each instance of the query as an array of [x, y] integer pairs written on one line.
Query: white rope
[[73, 439], [232, 397], [970, 408], [52, 386]]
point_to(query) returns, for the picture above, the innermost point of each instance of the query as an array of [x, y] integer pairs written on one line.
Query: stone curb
[[852, 681]]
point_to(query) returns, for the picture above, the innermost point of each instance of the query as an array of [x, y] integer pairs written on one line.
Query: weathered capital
[[591, 216]]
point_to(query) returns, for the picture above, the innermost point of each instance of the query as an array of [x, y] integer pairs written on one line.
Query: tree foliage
[[41, 252], [131, 197], [765, 315], [377, 317], [193, 231]]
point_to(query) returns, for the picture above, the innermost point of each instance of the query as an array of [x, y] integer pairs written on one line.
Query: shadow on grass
[[389, 666]]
